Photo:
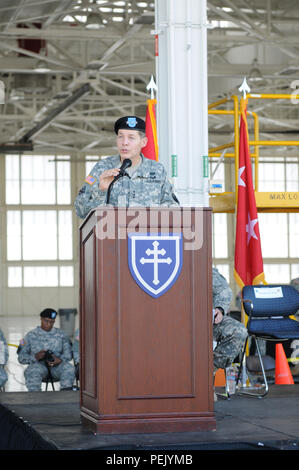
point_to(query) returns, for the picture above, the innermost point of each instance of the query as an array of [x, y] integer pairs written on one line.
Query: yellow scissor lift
[[265, 201]]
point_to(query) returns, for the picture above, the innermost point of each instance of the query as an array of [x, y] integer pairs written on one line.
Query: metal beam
[[16, 148], [76, 95]]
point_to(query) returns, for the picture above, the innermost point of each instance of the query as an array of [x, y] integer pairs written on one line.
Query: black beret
[[48, 313], [129, 122]]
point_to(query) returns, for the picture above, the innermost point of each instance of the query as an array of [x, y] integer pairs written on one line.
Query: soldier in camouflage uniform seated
[[295, 283], [33, 350], [228, 333], [3, 359], [144, 184]]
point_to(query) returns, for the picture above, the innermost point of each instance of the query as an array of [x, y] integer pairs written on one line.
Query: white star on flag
[[250, 229], [240, 181]]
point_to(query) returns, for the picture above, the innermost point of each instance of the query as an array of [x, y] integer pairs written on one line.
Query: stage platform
[[51, 421]]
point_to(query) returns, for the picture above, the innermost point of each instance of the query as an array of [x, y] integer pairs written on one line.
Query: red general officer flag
[[151, 149], [249, 268]]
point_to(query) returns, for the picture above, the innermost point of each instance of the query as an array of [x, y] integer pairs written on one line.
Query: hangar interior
[[70, 68]]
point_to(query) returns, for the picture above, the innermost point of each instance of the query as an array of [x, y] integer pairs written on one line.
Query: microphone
[[125, 164], [122, 172]]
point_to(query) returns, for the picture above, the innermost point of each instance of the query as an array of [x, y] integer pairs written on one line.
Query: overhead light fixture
[[146, 18], [292, 69], [255, 75], [16, 147], [42, 67], [16, 95], [94, 19], [96, 64]]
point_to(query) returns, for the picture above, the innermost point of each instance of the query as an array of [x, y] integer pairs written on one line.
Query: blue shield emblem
[[155, 261], [132, 122]]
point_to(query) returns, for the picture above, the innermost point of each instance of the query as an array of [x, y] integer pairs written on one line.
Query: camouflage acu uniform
[[76, 352], [3, 359], [54, 340], [229, 334], [295, 283], [146, 186], [76, 344]]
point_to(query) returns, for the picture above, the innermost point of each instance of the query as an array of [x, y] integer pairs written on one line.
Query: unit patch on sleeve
[[90, 180]]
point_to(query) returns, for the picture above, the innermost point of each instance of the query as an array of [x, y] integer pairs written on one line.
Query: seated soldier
[[47, 350], [228, 333], [76, 352], [3, 359]]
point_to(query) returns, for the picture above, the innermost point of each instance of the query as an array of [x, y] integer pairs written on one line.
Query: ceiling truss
[[116, 62]]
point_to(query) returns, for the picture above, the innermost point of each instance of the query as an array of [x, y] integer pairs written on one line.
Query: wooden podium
[[146, 363]]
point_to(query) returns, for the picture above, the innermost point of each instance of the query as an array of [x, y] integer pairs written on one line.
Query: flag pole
[[248, 255], [244, 88], [151, 149]]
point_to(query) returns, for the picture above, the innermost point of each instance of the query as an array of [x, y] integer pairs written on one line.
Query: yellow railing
[[256, 143], [267, 143], [215, 151]]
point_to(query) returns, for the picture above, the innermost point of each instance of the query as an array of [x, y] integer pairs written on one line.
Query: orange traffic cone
[[283, 374], [220, 380]]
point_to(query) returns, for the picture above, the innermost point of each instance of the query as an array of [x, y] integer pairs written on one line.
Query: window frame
[[57, 207]]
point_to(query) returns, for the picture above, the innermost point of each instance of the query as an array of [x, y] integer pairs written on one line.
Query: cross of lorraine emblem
[[155, 261]]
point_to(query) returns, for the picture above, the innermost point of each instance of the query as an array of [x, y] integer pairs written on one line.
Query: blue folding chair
[[269, 308]]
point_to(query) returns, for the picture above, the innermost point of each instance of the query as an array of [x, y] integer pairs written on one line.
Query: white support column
[[182, 116]]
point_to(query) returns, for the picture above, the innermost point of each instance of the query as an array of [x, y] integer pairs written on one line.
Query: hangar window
[[91, 160], [39, 221], [37, 179]]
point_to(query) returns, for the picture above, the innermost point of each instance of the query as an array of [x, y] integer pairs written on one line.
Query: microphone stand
[[122, 173], [112, 183]]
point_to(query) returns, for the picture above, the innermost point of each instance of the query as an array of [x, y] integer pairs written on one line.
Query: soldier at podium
[[142, 183]]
